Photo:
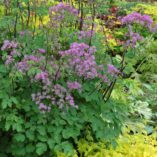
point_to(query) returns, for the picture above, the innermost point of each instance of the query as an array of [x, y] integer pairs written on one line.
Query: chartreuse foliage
[[128, 145]]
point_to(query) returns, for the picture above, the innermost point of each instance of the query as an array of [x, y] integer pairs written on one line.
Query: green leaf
[[30, 148], [50, 129], [41, 130], [66, 147], [30, 135], [17, 127], [51, 143], [7, 126], [18, 149], [42, 138], [6, 103], [41, 148], [70, 132], [2, 69], [19, 137]]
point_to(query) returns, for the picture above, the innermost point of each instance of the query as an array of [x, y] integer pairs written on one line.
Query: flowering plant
[[56, 80]]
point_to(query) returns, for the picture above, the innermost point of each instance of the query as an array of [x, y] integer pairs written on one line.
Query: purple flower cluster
[[134, 38], [103, 78], [9, 60], [44, 108], [74, 85], [64, 97], [82, 59], [22, 66], [144, 20], [14, 53], [61, 7], [55, 95], [37, 62], [57, 12], [85, 34], [9, 45], [42, 50], [43, 76], [28, 61], [112, 70]]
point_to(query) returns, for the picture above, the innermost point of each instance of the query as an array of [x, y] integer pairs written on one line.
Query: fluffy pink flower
[[42, 76], [136, 17], [22, 33], [82, 58], [9, 45], [112, 70], [44, 108], [73, 85], [9, 60], [42, 50]]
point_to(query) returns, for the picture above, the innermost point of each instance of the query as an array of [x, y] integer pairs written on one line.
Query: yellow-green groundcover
[[138, 145]]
